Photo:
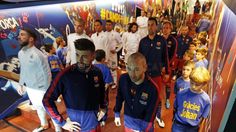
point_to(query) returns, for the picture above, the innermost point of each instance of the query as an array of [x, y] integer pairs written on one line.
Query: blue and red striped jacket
[[83, 94], [140, 103], [155, 52]]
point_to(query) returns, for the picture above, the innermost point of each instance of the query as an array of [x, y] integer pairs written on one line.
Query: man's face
[[84, 59], [184, 31], [109, 26], [79, 27], [166, 29], [186, 71], [136, 70], [152, 27], [143, 13], [98, 27], [134, 29], [24, 38]]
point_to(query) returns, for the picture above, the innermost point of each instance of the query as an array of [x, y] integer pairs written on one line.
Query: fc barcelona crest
[[158, 44], [95, 79], [144, 96]]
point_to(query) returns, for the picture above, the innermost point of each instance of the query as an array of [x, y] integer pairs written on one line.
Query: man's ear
[[145, 67], [31, 39], [93, 55]]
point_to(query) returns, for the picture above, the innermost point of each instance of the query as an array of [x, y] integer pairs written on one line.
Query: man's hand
[[117, 121], [71, 126], [101, 114], [21, 90]]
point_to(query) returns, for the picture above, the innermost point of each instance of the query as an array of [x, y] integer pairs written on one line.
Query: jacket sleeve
[[165, 60], [46, 71], [51, 95], [152, 106], [22, 72], [119, 99], [102, 102]]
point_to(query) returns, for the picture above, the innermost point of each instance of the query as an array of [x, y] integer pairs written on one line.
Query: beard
[[83, 67], [23, 44]]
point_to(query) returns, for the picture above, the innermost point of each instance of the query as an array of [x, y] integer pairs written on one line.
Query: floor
[[28, 125]]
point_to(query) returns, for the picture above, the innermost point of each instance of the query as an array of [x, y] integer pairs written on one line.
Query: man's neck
[[166, 36], [80, 33], [140, 81], [151, 36]]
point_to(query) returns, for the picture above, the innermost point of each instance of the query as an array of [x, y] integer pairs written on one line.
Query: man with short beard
[[82, 88], [35, 74], [79, 26], [139, 94], [154, 48]]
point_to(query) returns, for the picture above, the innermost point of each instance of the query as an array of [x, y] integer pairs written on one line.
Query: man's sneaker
[[102, 123], [58, 100], [113, 86], [160, 122], [41, 128], [167, 104]]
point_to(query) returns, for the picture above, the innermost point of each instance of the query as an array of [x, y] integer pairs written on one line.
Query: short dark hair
[[152, 19], [100, 54], [84, 44], [48, 47], [109, 21], [131, 25], [30, 33], [99, 21]]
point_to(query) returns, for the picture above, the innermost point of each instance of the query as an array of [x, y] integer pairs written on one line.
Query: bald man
[[139, 94]]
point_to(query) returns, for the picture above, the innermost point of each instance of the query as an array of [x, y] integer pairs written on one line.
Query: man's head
[[109, 25], [79, 26], [133, 27], [184, 30], [199, 78], [84, 53], [143, 13], [167, 28], [187, 68], [26, 37], [152, 26], [98, 26], [136, 67]]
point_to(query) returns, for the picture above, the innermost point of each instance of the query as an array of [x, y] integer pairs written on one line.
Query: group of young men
[[82, 84]]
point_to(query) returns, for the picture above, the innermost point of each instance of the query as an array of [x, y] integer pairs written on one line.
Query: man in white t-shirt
[[79, 26], [142, 22], [131, 41], [114, 44], [99, 38]]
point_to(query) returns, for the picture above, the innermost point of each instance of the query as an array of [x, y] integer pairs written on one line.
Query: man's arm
[[119, 99], [50, 96]]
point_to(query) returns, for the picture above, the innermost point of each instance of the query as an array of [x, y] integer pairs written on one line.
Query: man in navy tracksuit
[[172, 49], [154, 48], [82, 88], [139, 94], [183, 41]]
